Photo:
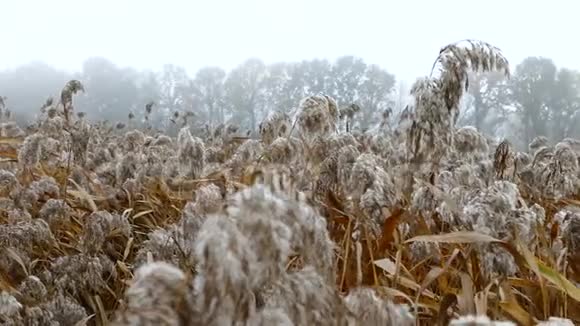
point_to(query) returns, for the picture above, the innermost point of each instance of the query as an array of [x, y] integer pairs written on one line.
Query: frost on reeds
[[191, 154], [346, 159], [241, 258], [497, 211], [372, 187], [318, 115], [156, 290], [437, 97], [567, 224], [228, 273], [478, 321], [284, 150], [247, 153], [56, 213], [9, 306], [303, 223], [537, 143], [26, 241], [308, 299], [276, 124], [11, 130], [127, 167], [82, 273], [29, 153], [32, 291], [246, 250], [175, 244], [553, 172], [468, 140], [52, 127], [555, 321], [99, 228], [370, 309], [80, 137], [66, 96], [133, 140], [300, 225], [8, 183], [28, 235], [559, 177]]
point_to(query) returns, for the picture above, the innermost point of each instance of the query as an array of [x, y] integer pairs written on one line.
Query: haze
[[403, 37]]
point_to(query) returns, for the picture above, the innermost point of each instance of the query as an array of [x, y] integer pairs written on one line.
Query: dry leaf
[[466, 299], [559, 280], [510, 305], [11, 140], [455, 237]]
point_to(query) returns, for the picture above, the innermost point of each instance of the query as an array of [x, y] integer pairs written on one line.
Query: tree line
[[212, 95], [538, 99]]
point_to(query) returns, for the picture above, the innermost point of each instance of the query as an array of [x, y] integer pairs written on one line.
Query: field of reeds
[[413, 223]]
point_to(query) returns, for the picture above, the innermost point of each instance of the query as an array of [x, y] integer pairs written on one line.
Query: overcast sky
[[402, 36]]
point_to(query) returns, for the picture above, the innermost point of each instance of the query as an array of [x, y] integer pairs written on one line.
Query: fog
[[211, 58], [402, 36]]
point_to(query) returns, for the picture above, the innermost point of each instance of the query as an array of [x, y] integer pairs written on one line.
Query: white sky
[[402, 36]]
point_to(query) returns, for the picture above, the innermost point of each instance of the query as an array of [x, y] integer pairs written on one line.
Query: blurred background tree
[[539, 98]]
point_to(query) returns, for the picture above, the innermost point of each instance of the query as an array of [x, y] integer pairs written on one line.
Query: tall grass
[[422, 223]]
